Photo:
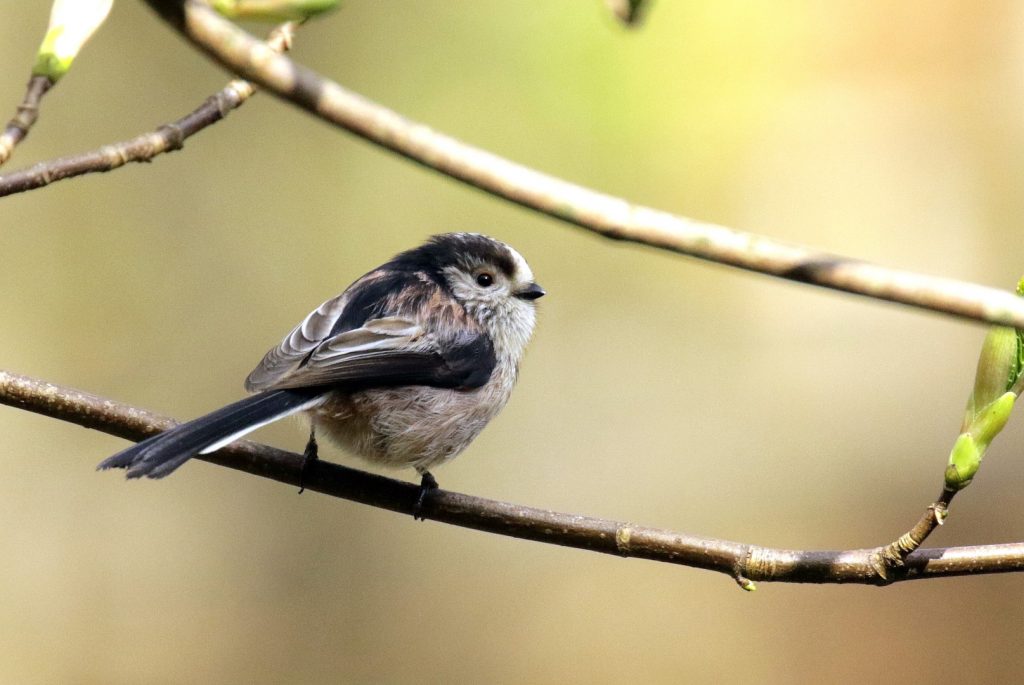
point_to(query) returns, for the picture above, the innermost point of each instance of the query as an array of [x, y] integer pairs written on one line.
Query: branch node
[[757, 562], [893, 556], [174, 135], [114, 155], [623, 535], [746, 584], [753, 561], [235, 93]]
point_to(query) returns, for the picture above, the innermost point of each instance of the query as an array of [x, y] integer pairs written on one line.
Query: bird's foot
[[309, 455], [427, 485]]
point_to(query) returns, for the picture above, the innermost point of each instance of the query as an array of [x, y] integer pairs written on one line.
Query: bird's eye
[[485, 280]]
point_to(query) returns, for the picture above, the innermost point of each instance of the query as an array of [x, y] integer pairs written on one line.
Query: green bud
[[991, 420], [997, 383], [964, 461], [999, 367], [72, 23], [969, 448], [274, 10]]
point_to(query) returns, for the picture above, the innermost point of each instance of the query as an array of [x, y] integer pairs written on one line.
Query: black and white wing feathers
[[386, 330]]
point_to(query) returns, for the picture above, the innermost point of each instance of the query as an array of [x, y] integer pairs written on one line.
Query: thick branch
[[145, 147], [609, 216], [746, 563]]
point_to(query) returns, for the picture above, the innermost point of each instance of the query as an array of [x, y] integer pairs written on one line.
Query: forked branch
[[144, 147]]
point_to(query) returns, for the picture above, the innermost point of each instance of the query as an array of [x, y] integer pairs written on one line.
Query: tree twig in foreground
[[145, 147], [745, 563], [603, 214]]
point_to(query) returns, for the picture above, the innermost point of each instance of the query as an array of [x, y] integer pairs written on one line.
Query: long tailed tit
[[404, 368]]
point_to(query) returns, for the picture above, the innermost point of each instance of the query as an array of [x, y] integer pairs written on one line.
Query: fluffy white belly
[[411, 426]]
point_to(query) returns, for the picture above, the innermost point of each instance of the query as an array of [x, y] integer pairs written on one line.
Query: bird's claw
[[427, 485], [309, 455]]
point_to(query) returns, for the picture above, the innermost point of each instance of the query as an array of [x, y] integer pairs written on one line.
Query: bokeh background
[[658, 389]]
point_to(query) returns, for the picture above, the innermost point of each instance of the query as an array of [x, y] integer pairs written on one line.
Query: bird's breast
[[412, 426]]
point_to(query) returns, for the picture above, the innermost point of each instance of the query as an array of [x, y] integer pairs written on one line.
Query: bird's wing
[[282, 360], [326, 350], [392, 351]]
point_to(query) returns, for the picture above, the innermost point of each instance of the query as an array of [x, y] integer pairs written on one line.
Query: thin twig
[[24, 117], [894, 555], [603, 214], [745, 563], [145, 147]]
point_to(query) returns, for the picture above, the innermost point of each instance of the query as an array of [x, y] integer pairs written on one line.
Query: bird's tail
[[161, 454]]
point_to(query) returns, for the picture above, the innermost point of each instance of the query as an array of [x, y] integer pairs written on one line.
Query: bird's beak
[[530, 292]]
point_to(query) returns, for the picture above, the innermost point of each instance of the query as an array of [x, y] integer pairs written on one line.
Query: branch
[[143, 148], [894, 555], [745, 563], [606, 215], [24, 117]]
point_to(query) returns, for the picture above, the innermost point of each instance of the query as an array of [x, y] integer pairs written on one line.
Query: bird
[[404, 368]]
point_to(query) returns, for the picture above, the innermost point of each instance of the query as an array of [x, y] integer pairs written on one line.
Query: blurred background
[[658, 389]]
